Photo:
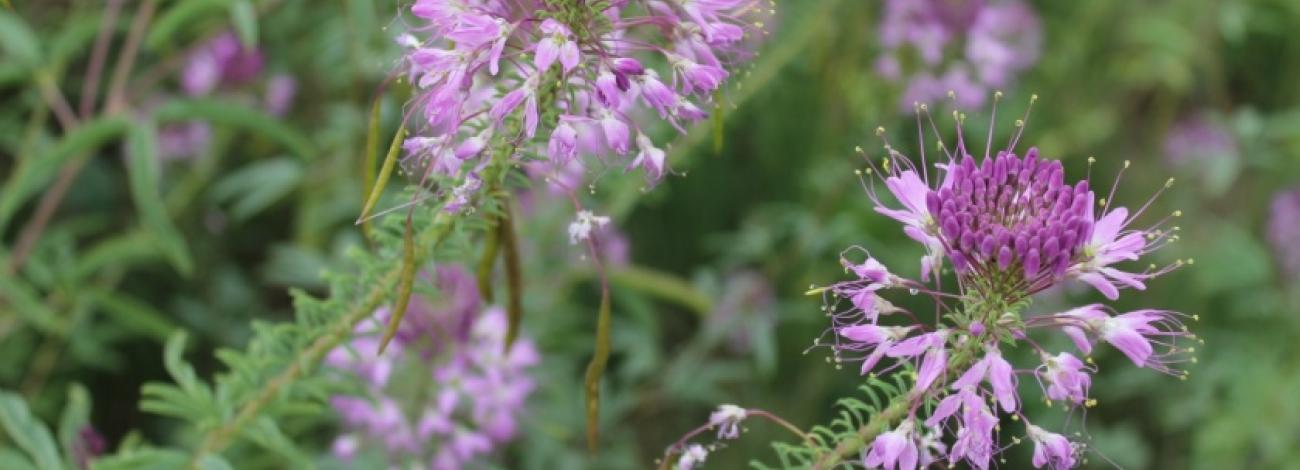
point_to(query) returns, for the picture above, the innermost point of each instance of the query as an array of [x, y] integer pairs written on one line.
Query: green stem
[[888, 417]]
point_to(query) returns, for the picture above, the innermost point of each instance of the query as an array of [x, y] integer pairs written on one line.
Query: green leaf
[[121, 250], [26, 303], [142, 169], [230, 113], [266, 433], [18, 40], [76, 414], [11, 459], [28, 433], [134, 315], [34, 174], [244, 18], [213, 462], [177, 18], [257, 186], [143, 459]]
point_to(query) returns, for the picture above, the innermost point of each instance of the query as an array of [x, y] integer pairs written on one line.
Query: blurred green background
[[710, 306]]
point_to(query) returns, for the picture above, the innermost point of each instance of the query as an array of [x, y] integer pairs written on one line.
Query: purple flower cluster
[[445, 393], [1010, 227], [1203, 147], [1284, 230], [569, 78], [966, 47], [219, 66]]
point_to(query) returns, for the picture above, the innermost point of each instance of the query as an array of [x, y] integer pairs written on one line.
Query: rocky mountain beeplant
[[997, 228]]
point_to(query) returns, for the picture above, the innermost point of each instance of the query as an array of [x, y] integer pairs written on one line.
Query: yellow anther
[[997, 94], [815, 290], [857, 172], [1169, 183], [952, 95], [1196, 317], [1127, 163], [1193, 360], [1092, 160], [1101, 202], [1178, 213], [880, 130], [1191, 260], [857, 148], [925, 107]]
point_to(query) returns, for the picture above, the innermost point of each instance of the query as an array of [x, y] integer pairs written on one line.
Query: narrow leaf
[[28, 433], [142, 169], [244, 18], [134, 315], [27, 304], [18, 40], [514, 277], [404, 284], [255, 187], [390, 160], [34, 174], [213, 462], [75, 417], [233, 114], [180, 16], [596, 369]]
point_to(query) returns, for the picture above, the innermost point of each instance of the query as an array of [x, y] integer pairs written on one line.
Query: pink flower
[[1064, 378], [895, 449], [557, 42], [563, 145], [651, 158], [1051, 449], [999, 374], [1108, 246]]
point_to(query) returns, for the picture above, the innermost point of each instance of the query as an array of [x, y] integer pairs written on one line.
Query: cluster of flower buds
[[970, 47], [1009, 226], [472, 391], [563, 80]]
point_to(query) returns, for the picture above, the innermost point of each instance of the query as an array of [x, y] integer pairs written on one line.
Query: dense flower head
[[564, 80], [1006, 227], [1284, 230], [965, 46], [473, 389]]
